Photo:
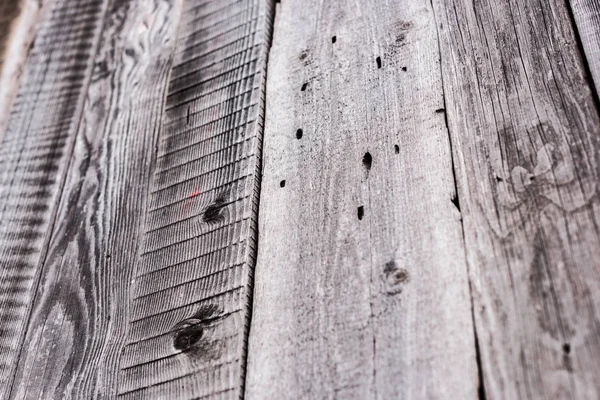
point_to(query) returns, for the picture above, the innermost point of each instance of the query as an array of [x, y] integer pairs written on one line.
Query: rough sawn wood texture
[[190, 304], [79, 320], [34, 157]]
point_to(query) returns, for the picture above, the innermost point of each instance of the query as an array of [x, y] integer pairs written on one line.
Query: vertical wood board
[[361, 284], [189, 308], [524, 130], [34, 156]]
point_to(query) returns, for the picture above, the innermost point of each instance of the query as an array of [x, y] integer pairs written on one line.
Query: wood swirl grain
[[34, 156], [525, 135]]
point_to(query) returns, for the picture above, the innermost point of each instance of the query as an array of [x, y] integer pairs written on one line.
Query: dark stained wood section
[[525, 136], [190, 306], [79, 321], [34, 156]]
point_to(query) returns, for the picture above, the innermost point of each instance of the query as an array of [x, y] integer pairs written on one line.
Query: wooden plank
[[18, 20], [587, 17], [79, 321], [524, 131], [361, 286], [190, 306], [34, 156]]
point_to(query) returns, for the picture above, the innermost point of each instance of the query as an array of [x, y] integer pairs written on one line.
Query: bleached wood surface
[[586, 14], [428, 224], [525, 136], [361, 286]]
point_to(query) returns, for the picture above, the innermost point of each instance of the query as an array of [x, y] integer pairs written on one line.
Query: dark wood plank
[[361, 287], [79, 320], [190, 306], [587, 17], [525, 130], [34, 156], [18, 22]]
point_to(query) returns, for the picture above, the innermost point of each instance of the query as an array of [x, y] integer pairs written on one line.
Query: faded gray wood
[[587, 17], [189, 310], [79, 320], [361, 286], [524, 131], [34, 155]]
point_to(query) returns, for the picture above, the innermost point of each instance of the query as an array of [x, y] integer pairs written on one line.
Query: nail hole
[[566, 348], [188, 116], [397, 149], [378, 59], [299, 134], [367, 160], [333, 39], [282, 183], [456, 202], [440, 111], [361, 212], [304, 87], [404, 69], [498, 179]]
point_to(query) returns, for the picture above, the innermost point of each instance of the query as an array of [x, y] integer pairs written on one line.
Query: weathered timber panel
[[524, 131], [18, 23], [190, 306], [34, 155], [79, 320], [587, 17], [361, 286]]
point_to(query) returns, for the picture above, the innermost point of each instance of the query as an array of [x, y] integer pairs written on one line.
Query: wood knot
[[395, 277], [213, 213], [188, 332]]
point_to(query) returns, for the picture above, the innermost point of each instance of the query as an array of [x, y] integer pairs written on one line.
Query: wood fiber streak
[[587, 18], [361, 288], [34, 156], [79, 321], [525, 135], [189, 309]]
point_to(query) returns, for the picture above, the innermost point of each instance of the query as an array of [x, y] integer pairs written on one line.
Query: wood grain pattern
[[190, 306], [361, 287], [587, 17], [524, 131], [18, 23], [79, 320], [34, 156]]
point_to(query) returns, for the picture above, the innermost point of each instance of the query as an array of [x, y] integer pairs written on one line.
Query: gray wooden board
[[79, 320], [18, 23], [190, 305], [34, 155], [361, 286], [587, 17], [524, 132]]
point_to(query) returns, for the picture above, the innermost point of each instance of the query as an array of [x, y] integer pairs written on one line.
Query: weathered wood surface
[[79, 320], [524, 131], [34, 155], [361, 286], [587, 17], [18, 23], [189, 312]]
